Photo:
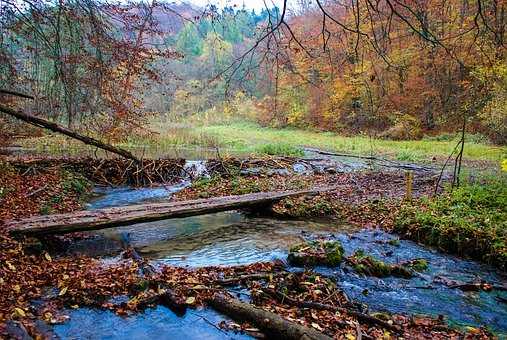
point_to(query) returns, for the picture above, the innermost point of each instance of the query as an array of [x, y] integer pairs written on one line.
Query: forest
[[284, 169]]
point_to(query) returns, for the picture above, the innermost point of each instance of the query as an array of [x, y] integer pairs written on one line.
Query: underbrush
[[469, 221], [52, 190]]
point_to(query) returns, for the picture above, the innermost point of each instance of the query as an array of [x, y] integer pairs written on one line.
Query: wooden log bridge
[[133, 214]]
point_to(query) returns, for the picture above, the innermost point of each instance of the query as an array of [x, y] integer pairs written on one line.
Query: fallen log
[[16, 94], [46, 124], [134, 214], [273, 325]]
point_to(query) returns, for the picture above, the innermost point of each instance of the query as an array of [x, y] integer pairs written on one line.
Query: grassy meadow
[[242, 138]]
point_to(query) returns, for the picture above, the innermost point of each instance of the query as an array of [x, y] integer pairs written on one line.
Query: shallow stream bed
[[232, 238]]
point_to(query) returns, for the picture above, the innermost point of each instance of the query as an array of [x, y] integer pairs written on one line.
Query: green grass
[[469, 221], [279, 149], [250, 137], [238, 138]]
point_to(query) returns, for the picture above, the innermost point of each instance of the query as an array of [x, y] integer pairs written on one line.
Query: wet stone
[[368, 265], [316, 253]]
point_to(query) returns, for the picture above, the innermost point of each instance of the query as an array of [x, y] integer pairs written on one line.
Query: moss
[[242, 186], [469, 221], [313, 253], [394, 242], [418, 265], [75, 183], [368, 265], [334, 253], [46, 210], [320, 205]]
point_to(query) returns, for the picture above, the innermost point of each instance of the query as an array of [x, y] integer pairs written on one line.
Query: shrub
[[406, 127]]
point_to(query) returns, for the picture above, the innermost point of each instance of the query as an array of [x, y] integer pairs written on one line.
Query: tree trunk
[[273, 325], [43, 123]]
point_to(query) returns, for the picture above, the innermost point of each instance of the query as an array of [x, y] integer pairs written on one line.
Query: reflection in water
[[121, 196], [226, 238]]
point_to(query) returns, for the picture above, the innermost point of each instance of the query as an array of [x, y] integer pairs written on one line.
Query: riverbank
[[469, 221], [63, 283]]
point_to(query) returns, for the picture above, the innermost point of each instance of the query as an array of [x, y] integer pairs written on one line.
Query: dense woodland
[[392, 69]]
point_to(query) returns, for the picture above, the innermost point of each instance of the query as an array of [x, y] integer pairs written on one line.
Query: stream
[[233, 238]]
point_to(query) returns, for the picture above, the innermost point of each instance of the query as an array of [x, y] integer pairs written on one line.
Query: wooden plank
[[133, 214]]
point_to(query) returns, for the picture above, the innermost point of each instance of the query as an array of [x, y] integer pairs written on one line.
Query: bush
[[405, 127]]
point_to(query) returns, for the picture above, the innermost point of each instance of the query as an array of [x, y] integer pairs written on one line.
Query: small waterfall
[[196, 169]]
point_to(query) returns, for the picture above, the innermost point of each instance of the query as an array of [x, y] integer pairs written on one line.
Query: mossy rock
[[394, 242], [368, 265], [316, 253], [418, 265]]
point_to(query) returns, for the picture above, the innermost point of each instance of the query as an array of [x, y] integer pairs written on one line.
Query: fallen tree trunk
[[16, 94], [271, 324], [46, 124], [134, 214]]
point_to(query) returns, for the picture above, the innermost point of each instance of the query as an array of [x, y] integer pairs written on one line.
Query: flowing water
[[232, 238]]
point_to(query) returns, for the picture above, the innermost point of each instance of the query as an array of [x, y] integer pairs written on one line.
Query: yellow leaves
[[190, 300], [10, 266], [504, 165], [134, 301], [350, 336], [62, 291], [18, 312], [47, 316], [46, 255], [316, 326], [473, 330], [16, 288]]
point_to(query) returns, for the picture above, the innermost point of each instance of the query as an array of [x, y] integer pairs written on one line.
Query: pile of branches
[[116, 172], [112, 172], [232, 166]]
